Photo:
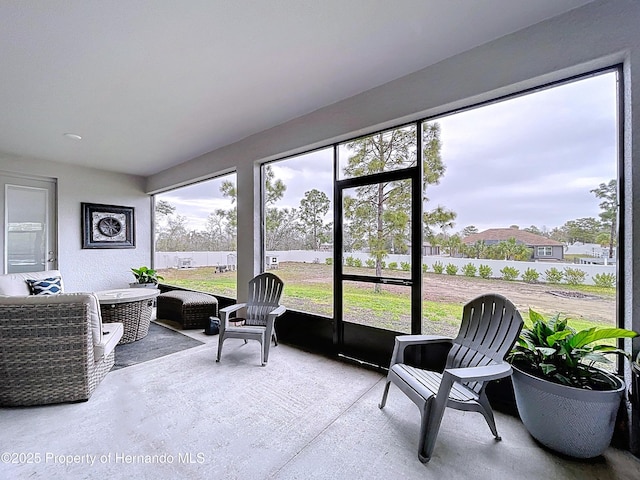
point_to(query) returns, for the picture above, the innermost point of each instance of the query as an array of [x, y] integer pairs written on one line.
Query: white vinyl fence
[[228, 259]]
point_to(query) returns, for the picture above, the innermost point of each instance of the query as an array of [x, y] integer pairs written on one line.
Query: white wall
[[196, 259], [95, 269]]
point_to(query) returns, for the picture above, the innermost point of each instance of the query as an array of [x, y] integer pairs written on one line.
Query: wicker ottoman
[[191, 309]]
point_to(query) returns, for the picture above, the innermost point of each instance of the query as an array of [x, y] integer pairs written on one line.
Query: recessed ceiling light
[[73, 136]]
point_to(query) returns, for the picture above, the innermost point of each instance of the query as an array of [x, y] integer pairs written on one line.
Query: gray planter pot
[[569, 420]]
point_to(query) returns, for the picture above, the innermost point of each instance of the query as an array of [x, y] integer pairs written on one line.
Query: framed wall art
[[107, 226]]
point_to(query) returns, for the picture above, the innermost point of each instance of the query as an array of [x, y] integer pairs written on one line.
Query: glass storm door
[[378, 219]]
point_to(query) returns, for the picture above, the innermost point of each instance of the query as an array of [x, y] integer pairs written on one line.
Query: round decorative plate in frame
[[108, 226]]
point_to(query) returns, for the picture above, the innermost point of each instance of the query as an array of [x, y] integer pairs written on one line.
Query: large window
[[531, 174], [298, 211], [537, 169], [195, 236]]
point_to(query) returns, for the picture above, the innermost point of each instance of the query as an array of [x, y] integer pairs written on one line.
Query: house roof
[[151, 85], [503, 234]]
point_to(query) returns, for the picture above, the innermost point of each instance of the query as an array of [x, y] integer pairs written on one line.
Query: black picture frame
[[107, 226]]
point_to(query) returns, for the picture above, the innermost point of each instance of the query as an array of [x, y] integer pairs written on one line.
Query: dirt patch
[[558, 293], [601, 309], [461, 289]]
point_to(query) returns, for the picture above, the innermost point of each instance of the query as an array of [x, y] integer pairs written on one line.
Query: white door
[[28, 239]]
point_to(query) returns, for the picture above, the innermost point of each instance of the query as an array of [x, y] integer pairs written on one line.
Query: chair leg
[[487, 412], [265, 343], [432, 413], [427, 436], [220, 342], [383, 402]]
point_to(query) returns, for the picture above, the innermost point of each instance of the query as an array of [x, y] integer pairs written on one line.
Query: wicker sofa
[[53, 348]]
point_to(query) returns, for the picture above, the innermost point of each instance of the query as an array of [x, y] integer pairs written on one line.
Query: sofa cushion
[[13, 286], [16, 283], [45, 286]]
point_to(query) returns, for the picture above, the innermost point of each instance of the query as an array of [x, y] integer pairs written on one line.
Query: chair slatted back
[[490, 326], [264, 296]]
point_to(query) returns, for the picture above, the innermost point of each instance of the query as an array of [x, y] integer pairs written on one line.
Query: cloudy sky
[[527, 161]]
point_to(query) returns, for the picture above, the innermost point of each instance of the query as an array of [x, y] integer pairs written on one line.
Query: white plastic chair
[[262, 310], [490, 326]]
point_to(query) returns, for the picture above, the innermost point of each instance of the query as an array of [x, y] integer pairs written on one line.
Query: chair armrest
[[404, 341], [475, 374], [232, 308], [421, 339], [276, 312], [226, 312]]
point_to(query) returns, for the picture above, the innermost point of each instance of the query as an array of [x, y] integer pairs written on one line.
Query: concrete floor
[[301, 417]]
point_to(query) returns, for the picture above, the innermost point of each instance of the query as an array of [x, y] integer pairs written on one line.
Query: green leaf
[[528, 339], [535, 316], [596, 357], [546, 351], [594, 334], [559, 335], [547, 368], [560, 325]]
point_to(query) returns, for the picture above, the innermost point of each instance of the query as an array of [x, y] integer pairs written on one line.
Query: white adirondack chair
[[262, 309]]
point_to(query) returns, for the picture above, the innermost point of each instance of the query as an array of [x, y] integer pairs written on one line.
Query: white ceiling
[[151, 84]]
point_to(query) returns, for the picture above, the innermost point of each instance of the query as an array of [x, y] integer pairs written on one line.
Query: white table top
[[124, 295]]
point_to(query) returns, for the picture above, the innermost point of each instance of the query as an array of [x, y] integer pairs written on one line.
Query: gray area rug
[[159, 342]]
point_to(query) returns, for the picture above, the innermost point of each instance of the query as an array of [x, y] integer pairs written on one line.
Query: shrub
[[574, 276], [452, 269], [393, 265], [485, 271], [383, 264], [530, 275], [509, 273], [425, 268], [357, 262], [329, 261], [469, 270], [606, 280], [349, 261], [370, 262], [406, 266], [553, 275], [438, 267]]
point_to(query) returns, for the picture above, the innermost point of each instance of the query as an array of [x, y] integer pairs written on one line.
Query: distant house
[[428, 249], [543, 248]]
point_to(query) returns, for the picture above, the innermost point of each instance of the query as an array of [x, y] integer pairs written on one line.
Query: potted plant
[[564, 401], [145, 277]]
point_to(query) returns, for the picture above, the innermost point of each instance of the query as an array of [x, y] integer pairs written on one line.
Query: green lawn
[[309, 289]]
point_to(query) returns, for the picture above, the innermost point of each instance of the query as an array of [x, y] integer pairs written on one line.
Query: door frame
[[26, 181], [361, 342]]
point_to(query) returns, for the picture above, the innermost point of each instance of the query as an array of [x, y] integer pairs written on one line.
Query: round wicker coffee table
[[130, 306]]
